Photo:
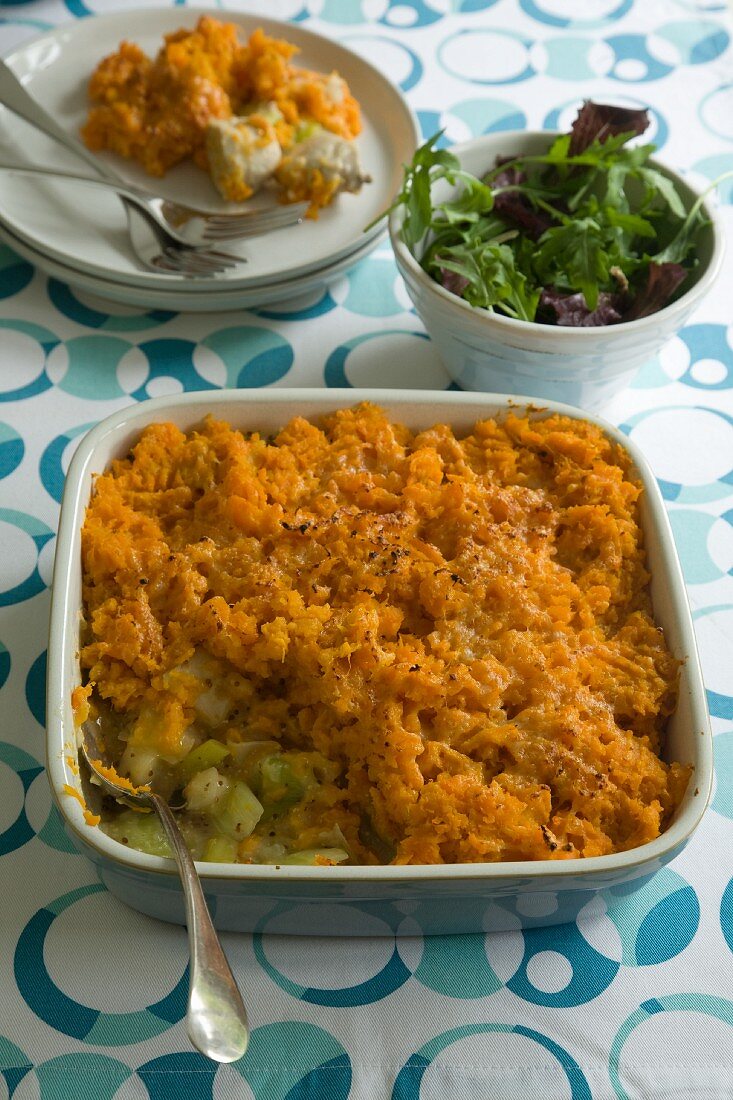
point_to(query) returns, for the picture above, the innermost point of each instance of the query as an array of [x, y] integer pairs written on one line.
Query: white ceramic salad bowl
[[355, 900], [484, 350]]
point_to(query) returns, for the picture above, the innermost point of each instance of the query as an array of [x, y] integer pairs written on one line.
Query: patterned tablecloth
[[92, 995]]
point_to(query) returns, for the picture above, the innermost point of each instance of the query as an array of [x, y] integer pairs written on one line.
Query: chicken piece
[[317, 169], [242, 154]]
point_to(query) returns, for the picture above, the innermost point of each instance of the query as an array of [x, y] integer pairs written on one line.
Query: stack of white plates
[[79, 234]]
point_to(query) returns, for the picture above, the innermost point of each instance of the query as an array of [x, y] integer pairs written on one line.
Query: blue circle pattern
[[67, 302], [320, 1066], [536, 11], [252, 356], [15, 273], [708, 342], [511, 36], [47, 342], [26, 769], [50, 467], [43, 996], [409, 1079], [35, 689], [5, 663], [12, 449], [723, 800], [334, 373], [716, 1007], [40, 535]]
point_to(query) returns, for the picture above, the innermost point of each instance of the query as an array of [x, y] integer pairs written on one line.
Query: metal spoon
[[216, 1019]]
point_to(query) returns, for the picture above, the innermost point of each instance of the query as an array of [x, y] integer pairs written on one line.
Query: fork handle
[[216, 1019], [123, 189], [14, 96]]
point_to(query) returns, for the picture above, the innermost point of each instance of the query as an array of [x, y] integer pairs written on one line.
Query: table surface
[[638, 1006]]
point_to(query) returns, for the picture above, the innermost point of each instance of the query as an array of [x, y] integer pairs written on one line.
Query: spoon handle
[[14, 96], [216, 1019]]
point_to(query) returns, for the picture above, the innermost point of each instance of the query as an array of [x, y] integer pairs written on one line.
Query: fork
[[176, 245], [198, 226]]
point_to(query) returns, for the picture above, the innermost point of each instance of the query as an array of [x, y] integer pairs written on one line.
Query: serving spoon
[[216, 1019]]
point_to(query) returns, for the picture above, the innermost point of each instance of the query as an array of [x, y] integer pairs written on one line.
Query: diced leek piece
[[206, 790], [199, 759], [278, 781], [213, 706], [220, 849], [139, 764], [139, 830], [237, 815], [311, 857]]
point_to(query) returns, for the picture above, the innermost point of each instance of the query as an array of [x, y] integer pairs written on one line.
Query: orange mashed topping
[[463, 625], [156, 111]]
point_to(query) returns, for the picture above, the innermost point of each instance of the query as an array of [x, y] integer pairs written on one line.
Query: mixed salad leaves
[[588, 233]]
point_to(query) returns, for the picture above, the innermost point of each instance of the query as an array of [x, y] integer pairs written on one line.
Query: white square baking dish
[[357, 900]]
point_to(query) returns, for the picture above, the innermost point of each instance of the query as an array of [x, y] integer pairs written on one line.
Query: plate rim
[[18, 56]]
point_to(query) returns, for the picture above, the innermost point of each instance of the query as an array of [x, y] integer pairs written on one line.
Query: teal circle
[[697, 41], [715, 166], [724, 94], [457, 966], [726, 914], [14, 1062], [334, 371], [415, 71], [26, 769], [716, 1007], [5, 663], [524, 74], [409, 1079], [673, 490], [723, 751], [12, 449], [94, 1076], [15, 272], [66, 302], [71, 1018], [185, 1074], [691, 530], [657, 921], [252, 356], [392, 975], [48, 341], [592, 972], [634, 47], [35, 688], [568, 58], [534, 9], [170, 357], [318, 1067], [372, 290], [322, 304], [40, 535], [50, 467], [487, 116], [92, 367]]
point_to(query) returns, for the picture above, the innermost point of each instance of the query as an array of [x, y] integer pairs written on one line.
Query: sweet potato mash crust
[[156, 110], [463, 625]]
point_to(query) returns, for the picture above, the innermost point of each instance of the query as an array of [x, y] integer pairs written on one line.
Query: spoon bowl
[[216, 1019]]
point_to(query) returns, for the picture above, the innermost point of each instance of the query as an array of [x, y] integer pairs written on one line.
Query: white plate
[[182, 299], [87, 229]]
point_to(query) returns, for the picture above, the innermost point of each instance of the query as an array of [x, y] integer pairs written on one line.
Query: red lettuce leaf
[[661, 283], [453, 282], [571, 311], [599, 121], [514, 207]]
